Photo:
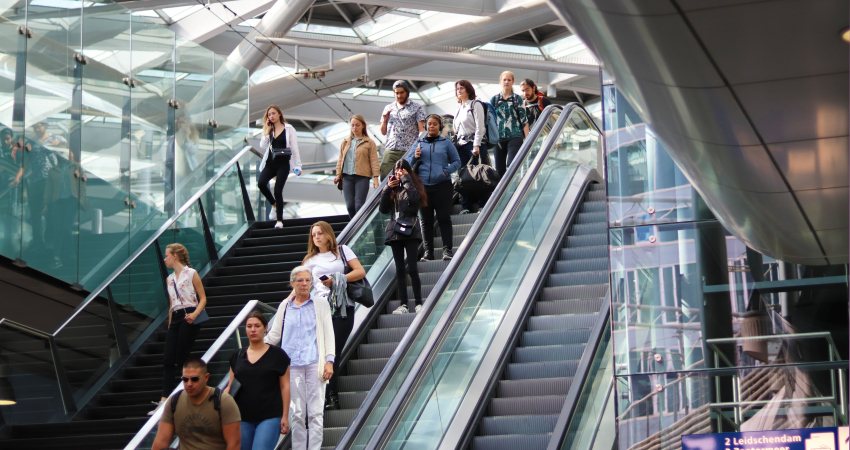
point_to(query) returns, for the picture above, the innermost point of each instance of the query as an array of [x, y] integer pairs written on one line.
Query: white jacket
[[291, 142], [324, 331]]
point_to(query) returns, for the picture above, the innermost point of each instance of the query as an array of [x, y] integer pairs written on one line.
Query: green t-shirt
[[199, 427]]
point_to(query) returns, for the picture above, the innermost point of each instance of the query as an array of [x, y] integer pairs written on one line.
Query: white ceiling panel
[[812, 164], [818, 205], [798, 109]]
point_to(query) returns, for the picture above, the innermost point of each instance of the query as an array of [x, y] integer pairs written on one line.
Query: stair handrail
[[152, 239], [231, 328], [390, 419], [374, 394]]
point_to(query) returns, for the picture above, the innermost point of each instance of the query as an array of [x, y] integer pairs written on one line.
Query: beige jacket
[[366, 161]]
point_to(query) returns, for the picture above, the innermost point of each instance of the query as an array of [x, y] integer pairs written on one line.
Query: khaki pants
[[388, 161]]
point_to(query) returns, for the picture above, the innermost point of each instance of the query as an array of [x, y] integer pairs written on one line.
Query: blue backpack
[[491, 128]]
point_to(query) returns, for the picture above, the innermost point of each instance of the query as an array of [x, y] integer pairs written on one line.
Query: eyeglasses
[[193, 379]]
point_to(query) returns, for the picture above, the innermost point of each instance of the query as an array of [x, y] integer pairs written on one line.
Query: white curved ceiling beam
[[210, 21]]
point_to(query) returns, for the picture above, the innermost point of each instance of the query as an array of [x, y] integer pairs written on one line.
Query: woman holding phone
[[281, 156], [328, 261], [402, 198]]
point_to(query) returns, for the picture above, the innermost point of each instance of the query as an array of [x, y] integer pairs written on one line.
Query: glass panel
[[644, 184], [139, 293], [193, 138], [12, 91], [660, 408], [189, 231], [105, 148], [153, 75], [231, 108], [442, 302], [225, 210], [87, 345], [27, 368], [50, 235], [433, 405], [584, 428]]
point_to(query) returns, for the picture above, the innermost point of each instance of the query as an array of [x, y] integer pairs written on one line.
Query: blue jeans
[[355, 188], [260, 435]]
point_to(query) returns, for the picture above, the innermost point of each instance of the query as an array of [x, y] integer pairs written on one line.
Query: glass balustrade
[[108, 123]]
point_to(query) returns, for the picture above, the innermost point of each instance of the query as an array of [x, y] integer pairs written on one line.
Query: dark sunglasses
[[194, 379]]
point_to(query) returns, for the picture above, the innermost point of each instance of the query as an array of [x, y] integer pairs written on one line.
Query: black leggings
[[277, 168], [439, 203], [178, 343], [342, 329], [411, 247]]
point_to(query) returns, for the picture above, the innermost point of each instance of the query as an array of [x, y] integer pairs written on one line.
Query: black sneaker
[[428, 256], [447, 254]]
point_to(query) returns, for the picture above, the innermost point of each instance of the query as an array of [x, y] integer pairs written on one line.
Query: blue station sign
[[800, 439]]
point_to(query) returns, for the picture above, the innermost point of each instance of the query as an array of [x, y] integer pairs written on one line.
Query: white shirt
[[327, 263], [469, 123], [187, 298]]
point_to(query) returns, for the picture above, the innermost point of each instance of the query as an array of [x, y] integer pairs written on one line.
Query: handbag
[[359, 291], [476, 177], [281, 152], [202, 317], [404, 227]]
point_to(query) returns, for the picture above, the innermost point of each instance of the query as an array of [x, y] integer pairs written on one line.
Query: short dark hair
[[530, 82], [401, 84], [259, 316], [194, 362], [467, 86]]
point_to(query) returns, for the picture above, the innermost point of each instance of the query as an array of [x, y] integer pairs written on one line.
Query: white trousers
[[308, 407]]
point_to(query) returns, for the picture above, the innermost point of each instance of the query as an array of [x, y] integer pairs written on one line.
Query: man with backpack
[[204, 418], [533, 100], [511, 120]]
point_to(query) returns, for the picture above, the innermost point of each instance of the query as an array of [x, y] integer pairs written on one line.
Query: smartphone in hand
[[324, 277]]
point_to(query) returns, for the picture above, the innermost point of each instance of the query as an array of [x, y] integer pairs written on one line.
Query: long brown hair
[[417, 182], [362, 120], [266, 117], [312, 248]]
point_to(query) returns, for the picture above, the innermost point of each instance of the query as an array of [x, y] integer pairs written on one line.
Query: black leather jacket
[[407, 204]]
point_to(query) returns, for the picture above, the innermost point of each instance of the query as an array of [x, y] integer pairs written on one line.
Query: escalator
[[439, 391]]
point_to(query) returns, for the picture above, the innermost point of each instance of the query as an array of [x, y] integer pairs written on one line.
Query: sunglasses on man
[[193, 379]]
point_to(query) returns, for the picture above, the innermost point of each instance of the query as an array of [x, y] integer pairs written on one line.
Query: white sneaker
[[278, 224], [417, 308], [401, 310], [158, 404], [273, 214]]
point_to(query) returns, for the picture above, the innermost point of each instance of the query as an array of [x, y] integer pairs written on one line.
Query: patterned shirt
[[299, 339], [187, 297], [403, 124], [510, 115]]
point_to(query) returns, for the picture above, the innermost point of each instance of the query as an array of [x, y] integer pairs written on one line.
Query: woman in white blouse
[[469, 129], [187, 301]]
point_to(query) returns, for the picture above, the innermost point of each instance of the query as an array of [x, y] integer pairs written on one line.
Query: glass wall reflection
[[709, 335], [109, 123]]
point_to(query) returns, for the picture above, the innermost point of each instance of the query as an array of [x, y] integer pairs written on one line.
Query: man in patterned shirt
[[512, 121], [401, 122]]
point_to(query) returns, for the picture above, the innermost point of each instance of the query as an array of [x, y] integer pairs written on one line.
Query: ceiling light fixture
[[845, 34]]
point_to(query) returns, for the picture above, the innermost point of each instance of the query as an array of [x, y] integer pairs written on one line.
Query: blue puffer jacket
[[438, 161]]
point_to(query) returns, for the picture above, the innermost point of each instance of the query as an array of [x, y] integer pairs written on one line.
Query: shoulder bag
[[359, 291]]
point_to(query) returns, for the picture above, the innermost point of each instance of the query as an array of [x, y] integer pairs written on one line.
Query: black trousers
[[178, 343], [439, 203], [405, 266], [342, 329], [505, 152], [277, 168]]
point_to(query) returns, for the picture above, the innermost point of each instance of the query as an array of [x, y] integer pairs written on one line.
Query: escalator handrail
[[380, 383], [464, 432], [217, 345], [151, 240], [559, 433], [389, 419]]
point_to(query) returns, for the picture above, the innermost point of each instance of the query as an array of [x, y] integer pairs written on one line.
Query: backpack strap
[[216, 399], [173, 401]]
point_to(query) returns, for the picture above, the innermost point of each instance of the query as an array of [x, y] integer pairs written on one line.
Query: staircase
[[359, 374], [256, 268], [529, 396]]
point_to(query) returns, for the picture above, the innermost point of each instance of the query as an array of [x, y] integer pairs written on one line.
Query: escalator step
[[562, 291], [578, 278], [552, 337], [592, 217], [352, 400], [236, 261], [582, 265], [254, 268], [395, 320], [594, 207], [339, 417], [511, 442], [366, 366], [593, 251], [547, 353], [550, 369], [544, 404], [378, 335], [518, 424], [589, 229], [569, 306], [357, 382], [561, 322], [533, 387], [382, 350], [587, 240], [262, 250]]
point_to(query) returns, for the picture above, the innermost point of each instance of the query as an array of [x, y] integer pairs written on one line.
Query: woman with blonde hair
[[355, 168], [281, 155], [187, 301]]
